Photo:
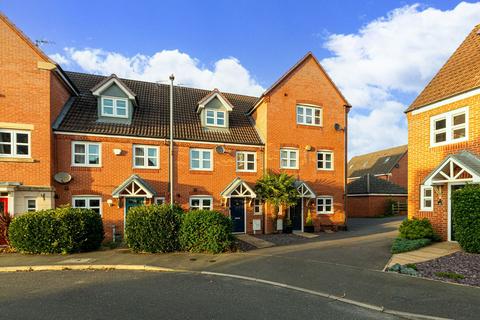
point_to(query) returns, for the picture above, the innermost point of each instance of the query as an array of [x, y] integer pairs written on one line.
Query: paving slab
[[305, 234], [431, 252], [254, 241]]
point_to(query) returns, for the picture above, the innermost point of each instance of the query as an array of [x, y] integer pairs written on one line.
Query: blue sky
[[246, 45]]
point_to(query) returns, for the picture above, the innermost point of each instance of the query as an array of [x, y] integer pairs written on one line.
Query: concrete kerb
[[147, 268]]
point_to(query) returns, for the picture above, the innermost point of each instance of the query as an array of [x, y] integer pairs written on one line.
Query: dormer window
[[114, 107], [215, 118]]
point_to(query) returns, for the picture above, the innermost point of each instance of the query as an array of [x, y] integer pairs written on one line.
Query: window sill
[[13, 159]]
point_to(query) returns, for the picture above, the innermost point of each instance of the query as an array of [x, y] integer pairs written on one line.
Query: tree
[[277, 189]]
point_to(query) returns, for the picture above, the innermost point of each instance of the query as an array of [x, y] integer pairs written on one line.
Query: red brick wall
[[423, 158], [370, 206], [308, 84], [400, 175]]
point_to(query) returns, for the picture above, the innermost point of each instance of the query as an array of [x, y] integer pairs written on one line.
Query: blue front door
[[237, 213], [133, 202]]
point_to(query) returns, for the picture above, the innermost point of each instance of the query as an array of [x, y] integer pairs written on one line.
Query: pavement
[[431, 252], [345, 264], [254, 241]]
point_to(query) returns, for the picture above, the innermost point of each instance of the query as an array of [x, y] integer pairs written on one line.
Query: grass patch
[[450, 275], [404, 245], [411, 266]]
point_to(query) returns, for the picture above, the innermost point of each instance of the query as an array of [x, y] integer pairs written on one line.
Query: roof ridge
[[378, 151]]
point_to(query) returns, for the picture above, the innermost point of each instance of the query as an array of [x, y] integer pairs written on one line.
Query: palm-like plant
[[277, 189]]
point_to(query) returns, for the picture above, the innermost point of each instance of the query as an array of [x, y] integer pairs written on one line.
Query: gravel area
[[282, 239], [461, 263]]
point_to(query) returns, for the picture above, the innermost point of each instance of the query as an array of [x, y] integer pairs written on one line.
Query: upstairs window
[[145, 157], [246, 161], [449, 127], [308, 115], [288, 159], [14, 143], [114, 107], [215, 118], [85, 154], [325, 160], [201, 159]]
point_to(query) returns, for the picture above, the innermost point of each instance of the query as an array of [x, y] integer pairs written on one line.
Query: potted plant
[[287, 227], [308, 227]]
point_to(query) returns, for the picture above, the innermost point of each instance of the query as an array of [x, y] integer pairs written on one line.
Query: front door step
[[305, 234], [254, 241]]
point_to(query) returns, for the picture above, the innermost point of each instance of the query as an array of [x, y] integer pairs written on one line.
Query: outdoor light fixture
[[110, 202], [117, 152]]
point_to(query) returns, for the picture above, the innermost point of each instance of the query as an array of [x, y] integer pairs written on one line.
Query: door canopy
[[304, 190], [460, 167], [238, 188], [134, 186]]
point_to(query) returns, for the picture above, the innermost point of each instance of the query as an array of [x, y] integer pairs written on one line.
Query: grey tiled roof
[[378, 162], [369, 184], [150, 116]]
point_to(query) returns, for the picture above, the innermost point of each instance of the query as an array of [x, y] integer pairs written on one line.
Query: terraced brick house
[[377, 183], [444, 135], [105, 140]]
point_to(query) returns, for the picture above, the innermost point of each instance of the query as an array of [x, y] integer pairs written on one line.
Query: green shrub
[[466, 217], [153, 228], [450, 275], [413, 229], [62, 230], [206, 231], [404, 245]]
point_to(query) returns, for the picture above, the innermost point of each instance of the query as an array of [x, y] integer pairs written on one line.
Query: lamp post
[[170, 161]]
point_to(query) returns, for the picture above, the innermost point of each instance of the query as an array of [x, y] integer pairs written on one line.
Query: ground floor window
[[201, 203], [426, 198], [159, 200], [257, 206], [325, 205], [88, 202], [31, 205]]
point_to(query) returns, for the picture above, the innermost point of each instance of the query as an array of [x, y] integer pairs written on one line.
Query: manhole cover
[[77, 260]]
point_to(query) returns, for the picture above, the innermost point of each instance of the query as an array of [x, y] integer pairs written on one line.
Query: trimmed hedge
[[61, 230], [413, 229], [206, 231], [466, 217], [404, 245], [153, 228]]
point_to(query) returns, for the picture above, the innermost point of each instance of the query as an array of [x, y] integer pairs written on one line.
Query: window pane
[[440, 124], [206, 164], [251, 166], [139, 162], [206, 155], [5, 137], [22, 150], [79, 203], [107, 102], [195, 154], [283, 154], [241, 165], [195, 202], [251, 157], [459, 119], [428, 192], [93, 149], [220, 115], [79, 148], [459, 133], [122, 112], [195, 164], [210, 113], [5, 149], [293, 163], [320, 156], [328, 157], [299, 118], [152, 152], [139, 151], [79, 159], [220, 122], [152, 162], [284, 163], [121, 104], [22, 138], [93, 159], [328, 165], [328, 208], [308, 112], [206, 203], [94, 202], [428, 203], [441, 137], [108, 110], [240, 157]]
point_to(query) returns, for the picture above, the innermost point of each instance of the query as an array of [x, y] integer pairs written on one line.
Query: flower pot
[[309, 229]]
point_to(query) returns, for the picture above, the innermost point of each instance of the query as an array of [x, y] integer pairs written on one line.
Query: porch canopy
[[238, 188], [134, 186], [304, 190], [461, 167]]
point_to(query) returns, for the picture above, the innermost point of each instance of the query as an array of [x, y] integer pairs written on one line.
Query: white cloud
[[390, 57], [59, 58], [226, 74]]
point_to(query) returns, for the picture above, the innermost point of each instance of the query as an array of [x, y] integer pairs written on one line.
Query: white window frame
[[13, 144], [201, 205], [423, 197], [87, 202], [324, 205], [145, 156], [215, 118], [87, 154], [449, 127], [324, 161], [200, 159], [257, 207], [312, 108], [289, 158], [29, 209], [245, 161], [156, 199], [114, 107]]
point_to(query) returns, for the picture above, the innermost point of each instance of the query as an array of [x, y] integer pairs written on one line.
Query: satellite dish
[[62, 177], [220, 149], [337, 127]]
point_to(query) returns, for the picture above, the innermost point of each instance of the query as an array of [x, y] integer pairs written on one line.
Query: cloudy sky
[[380, 53]]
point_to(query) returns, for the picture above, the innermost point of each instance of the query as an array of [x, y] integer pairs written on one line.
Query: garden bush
[[466, 217], [413, 229], [405, 245], [206, 231], [61, 230], [153, 228]]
